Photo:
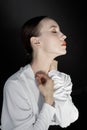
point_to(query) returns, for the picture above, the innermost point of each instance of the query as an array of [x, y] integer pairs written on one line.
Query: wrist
[[49, 101]]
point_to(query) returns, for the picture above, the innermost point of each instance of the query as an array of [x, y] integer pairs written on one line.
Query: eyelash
[[54, 31]]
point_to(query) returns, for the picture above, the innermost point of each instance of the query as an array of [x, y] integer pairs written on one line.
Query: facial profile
[[51, 39]]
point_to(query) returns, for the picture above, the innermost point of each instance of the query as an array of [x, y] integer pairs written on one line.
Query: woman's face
[[51, 38]]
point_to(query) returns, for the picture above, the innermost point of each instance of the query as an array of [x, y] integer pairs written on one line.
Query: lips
[[64, 43]]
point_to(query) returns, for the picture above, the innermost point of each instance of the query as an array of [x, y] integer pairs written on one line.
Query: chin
[[60, 54], [64, 53]]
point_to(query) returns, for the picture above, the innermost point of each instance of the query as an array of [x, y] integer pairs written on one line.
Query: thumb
[[53, 65]]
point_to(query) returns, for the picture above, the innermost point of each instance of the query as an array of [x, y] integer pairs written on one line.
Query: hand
[[41, 77], [53, 65], [45, 85]]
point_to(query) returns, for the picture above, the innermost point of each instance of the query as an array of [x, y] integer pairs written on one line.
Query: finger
[[43, 80], [38, 80], [53, 65], [41, 74]]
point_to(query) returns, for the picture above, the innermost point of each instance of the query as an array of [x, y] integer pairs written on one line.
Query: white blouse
[[24, 107]]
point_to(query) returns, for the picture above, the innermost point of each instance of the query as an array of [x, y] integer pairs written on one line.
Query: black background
[[71, 16]]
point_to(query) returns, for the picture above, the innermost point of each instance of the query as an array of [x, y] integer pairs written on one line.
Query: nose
[[64, 36]]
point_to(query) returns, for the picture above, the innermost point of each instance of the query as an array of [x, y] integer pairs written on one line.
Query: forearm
[[66, 112], [45, 117], [43, 120]]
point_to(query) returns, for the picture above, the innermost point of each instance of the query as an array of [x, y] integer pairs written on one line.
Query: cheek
[[54, 43], [51, 45]]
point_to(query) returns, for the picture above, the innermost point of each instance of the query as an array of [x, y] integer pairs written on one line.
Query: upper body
[[24, 107], [28, 103]]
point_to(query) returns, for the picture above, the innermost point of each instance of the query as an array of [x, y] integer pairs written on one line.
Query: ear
[[34, 41]]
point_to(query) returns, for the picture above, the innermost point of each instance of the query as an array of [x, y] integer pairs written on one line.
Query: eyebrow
[[53, 26]]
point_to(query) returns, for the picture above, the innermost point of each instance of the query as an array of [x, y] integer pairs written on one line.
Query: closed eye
[[54, 31]]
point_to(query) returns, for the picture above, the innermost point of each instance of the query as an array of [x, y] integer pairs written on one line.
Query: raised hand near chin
[[46, 86], [41, 77], [53, 65]]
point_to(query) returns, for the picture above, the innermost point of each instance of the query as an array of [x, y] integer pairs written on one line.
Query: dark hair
[[29, 29]]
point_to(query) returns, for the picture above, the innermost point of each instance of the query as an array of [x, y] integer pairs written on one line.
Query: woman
[[39, 95]]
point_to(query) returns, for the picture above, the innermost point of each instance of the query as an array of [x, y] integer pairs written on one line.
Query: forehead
[[48, 23]]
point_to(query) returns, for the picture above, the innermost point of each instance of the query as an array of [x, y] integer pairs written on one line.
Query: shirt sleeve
[[20, 110], [66, 111]]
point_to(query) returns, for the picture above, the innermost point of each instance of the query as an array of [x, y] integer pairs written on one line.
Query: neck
[[41, 63]]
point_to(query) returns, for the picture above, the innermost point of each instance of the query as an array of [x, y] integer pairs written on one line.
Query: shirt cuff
[[48, 110]]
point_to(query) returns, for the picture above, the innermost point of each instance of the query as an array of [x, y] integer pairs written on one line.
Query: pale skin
[[48, 45]]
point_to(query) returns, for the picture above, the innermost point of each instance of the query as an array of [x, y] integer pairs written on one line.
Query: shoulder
[[64, 75], [58, 73], [17, 80]]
